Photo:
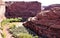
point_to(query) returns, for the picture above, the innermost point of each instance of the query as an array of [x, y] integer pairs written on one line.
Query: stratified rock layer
[[23, 9], [46, 23]]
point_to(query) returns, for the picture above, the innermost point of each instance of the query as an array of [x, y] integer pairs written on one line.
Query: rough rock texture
[[23, 9], [46, 23], [51, 6]]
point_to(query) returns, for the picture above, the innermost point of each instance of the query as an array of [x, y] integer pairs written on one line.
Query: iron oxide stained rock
[[23, 9], [46, 23], [51, 6]]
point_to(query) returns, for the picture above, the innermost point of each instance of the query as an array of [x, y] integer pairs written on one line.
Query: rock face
[[51, 6], [46, 23], [2, 10], [23, 9]]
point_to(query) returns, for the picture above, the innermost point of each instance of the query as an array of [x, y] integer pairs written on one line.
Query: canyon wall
[[2, 10], [46, 23], [23, 9]]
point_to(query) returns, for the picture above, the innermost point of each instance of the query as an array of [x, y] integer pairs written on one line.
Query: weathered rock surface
[[46, 23], [23, 9]]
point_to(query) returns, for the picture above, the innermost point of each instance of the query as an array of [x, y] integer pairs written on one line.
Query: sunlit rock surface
[[2, 10], [46, 23]]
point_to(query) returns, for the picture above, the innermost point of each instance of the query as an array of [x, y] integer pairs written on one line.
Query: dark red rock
[[23, 9], [51, 6], [46, 23]]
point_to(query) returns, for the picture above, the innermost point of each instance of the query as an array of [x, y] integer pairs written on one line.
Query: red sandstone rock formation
[[46, 23], [23, 9], [51, 6]]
